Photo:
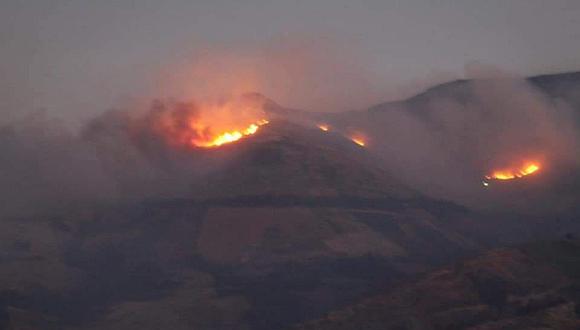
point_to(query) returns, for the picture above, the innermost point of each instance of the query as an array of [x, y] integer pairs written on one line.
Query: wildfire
[[228, 137], [358, 139], [207, 124], [359, 142], [527, 168]]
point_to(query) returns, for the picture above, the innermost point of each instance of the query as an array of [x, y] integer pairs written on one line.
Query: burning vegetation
[[358, 139], [228, 137], [207, 125], [526, 168]]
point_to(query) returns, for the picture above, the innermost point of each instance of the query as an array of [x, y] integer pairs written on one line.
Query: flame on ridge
[[527, 168], [228, 137]]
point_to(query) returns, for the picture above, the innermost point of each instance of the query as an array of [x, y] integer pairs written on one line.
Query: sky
[[75, 59]]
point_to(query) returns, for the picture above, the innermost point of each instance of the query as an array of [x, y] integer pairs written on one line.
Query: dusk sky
[[80, 58]]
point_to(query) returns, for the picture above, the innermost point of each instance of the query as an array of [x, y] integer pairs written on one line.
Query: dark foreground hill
[[534, 286]]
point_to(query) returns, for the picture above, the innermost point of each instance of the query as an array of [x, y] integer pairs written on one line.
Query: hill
[[533, 286]]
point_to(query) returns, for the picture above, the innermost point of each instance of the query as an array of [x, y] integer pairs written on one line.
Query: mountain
[[271, 231], [559, 86], [295, 223], [445, 140]]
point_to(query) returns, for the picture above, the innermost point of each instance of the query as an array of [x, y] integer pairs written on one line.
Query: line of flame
[[231, 136], [359, 140], [509, 174]]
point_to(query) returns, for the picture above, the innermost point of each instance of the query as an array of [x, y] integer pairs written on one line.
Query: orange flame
[[324, 127], [359, 139], [229, 137], [360, 142], [208, 124], [512, 173]]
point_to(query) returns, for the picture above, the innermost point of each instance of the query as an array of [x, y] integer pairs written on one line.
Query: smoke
[[441, 142], [300, 73], [445, 140], [121, 155], [44, 166]]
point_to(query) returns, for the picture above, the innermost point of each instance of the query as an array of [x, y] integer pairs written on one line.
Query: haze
[[78, 58]]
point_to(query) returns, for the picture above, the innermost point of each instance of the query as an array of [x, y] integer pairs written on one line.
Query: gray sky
[[82, 57]]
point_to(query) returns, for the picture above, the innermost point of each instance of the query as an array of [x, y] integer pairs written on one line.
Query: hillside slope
[[534, 286]]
